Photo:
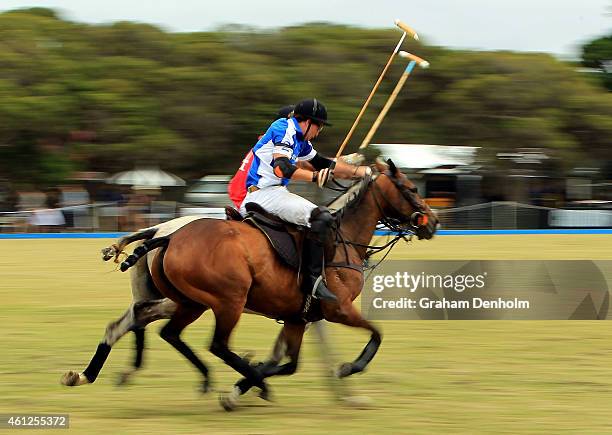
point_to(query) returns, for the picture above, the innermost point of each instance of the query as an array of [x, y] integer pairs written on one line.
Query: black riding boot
[[312, 267], [312, 261]]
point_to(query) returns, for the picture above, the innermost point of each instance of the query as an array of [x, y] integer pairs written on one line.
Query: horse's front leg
[[185, 315], [288, 343], [346, 314], [226, 316]]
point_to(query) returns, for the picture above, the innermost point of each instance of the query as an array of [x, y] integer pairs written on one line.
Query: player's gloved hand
[[362, 172], [355, 159], [323, 176]]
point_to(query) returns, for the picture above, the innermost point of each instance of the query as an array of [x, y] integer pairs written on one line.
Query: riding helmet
[[285, 111], [312, 109]]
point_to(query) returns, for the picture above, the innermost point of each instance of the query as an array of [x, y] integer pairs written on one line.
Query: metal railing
[[112, 216], [514, 215]]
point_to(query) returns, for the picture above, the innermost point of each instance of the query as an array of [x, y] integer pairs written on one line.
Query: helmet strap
[[308, 128]]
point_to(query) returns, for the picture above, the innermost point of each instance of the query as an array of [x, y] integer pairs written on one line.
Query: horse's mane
[[351, 198]]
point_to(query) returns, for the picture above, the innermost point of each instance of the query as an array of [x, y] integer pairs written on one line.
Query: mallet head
[[406, 28], [420, 61]]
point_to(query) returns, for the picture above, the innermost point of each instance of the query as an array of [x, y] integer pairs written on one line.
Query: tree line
[[78, 97]]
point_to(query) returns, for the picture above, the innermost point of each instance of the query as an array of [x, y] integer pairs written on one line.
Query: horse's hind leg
[[346, 314], [114, 331], [137, 316], [139, 345], [171, 332], [145, 312]]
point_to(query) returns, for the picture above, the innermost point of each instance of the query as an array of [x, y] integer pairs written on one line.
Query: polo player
[[272, 164]]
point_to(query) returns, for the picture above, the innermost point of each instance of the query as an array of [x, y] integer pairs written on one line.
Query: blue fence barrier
[[378, 233]]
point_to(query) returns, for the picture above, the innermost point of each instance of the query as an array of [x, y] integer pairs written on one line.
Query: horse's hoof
[[257, 365], [248, 356], [359, 402], [73, 379], [123, 379], [229, 402], [205, 387], [346, 369], [108, 253], [266, 395]]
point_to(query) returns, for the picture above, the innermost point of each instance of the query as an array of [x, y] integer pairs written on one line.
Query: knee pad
[[321, 223]]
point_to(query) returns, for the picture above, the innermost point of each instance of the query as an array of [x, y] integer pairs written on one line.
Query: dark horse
[[229, 267]]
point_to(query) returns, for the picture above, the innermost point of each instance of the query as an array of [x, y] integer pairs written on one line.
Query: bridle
[[402, 228], [417, 219]]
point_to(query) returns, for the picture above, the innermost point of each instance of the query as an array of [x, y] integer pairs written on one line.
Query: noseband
[[396, 225], [417, 219]]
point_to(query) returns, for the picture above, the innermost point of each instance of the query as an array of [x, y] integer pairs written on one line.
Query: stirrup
[[320, 291]]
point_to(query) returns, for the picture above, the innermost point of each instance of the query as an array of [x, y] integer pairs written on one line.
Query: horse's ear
[[392, 166], [381, 166]]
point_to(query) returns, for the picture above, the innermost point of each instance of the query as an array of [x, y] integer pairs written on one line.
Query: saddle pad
[[285, 238], [284, 243]]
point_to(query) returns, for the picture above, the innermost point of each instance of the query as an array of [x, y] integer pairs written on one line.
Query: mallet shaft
[[367, 101], [388, 104]]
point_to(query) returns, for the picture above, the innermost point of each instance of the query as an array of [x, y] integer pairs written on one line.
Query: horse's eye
[[414, 189]]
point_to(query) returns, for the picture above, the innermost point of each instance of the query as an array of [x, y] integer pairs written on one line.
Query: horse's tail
[[116, 249], [142, 250]]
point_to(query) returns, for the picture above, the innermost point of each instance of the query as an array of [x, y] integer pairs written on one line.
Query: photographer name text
[[427, 303]]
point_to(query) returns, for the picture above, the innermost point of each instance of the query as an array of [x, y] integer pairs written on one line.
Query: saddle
[[285, 238]]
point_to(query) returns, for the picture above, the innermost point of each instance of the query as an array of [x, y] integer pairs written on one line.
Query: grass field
[[429, 377]]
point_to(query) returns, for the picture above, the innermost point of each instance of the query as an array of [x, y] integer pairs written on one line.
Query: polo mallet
[[406, 30], [414, 60]]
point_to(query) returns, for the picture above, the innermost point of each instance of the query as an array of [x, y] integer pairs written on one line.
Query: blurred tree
[[109, 97], [598, 54]]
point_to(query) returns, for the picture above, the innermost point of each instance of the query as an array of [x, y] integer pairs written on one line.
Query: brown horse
[[149, 305], [229, 266]]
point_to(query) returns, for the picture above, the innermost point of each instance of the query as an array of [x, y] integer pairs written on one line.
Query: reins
[[393, 224]]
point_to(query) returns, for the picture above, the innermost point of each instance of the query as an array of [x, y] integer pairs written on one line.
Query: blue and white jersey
[[284, 137]]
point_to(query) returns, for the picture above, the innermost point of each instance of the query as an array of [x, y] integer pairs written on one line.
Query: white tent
[[416, 156], [149, 177]]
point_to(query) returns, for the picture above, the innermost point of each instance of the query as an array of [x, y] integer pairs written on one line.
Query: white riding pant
[[282, 203]]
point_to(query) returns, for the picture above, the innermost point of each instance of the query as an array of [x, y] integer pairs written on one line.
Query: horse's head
[[400, 201]]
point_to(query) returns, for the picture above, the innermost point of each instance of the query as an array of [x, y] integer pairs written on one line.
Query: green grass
[[429, 377]]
